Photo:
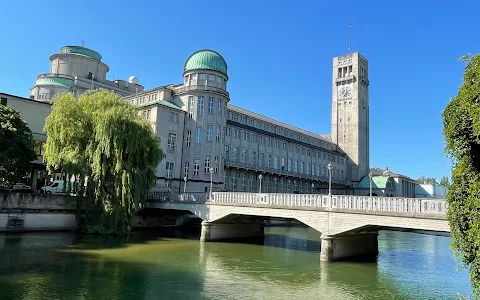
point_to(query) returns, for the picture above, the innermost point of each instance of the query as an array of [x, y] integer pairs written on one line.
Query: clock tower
[[350, 112]]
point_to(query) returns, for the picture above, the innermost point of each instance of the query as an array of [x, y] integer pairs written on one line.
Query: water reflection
[[174, 265]]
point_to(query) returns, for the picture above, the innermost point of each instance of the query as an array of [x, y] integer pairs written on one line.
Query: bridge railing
[[177, 197], [341, 202]]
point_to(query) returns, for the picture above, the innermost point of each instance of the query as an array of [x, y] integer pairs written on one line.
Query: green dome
[[81, 51], [206, 59]]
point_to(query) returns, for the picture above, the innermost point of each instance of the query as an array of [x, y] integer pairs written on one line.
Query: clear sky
[[279, 55]]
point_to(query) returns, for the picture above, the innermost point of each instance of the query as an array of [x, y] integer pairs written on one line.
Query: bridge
[[348, 224]]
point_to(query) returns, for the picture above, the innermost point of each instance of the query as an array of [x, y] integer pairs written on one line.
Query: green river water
[[175, 265]]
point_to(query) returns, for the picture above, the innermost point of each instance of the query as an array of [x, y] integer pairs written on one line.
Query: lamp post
[[313, 187], [185, 184], [371, 176], [211, 183], [260, 177], [330, 167]]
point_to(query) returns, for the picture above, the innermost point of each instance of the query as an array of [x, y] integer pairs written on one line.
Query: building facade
[[209, 141]]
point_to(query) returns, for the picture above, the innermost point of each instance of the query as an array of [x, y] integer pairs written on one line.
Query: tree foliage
[[112, 152], [445, 181], [461, 120], [424, 179], [16, 146]]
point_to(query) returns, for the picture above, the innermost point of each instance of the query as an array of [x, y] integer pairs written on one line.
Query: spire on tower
[[350, 37]]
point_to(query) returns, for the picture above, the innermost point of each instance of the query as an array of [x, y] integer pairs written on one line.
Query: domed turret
[[133, 79], [206, 59]]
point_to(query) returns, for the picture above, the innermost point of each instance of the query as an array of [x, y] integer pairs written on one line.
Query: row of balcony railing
[[202, 88], [236, 164]]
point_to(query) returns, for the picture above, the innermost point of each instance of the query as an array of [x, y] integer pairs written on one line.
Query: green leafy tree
[[461, 121], [16, 146], [113, 153], [444, 181], [424, 179]]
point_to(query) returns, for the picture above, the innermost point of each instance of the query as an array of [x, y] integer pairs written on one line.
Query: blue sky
[[279, 55]]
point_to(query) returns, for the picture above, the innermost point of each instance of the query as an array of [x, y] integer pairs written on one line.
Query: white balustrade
[[340, 202]]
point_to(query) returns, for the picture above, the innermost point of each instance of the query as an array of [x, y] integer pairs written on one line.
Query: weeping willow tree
[[461, 120], [100, 140]]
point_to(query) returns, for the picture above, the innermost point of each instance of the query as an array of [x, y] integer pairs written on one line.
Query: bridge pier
[[344, 246], [225, 231]]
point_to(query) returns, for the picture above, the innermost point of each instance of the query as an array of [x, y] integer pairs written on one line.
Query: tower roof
[[206, 59], [79, 50]]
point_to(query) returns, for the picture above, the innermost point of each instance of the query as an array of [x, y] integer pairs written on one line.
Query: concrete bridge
[[348, 224]]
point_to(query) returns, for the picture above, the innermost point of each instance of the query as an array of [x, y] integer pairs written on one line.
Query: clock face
[[345, 91]]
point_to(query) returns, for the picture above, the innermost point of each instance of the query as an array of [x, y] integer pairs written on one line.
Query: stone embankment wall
[[33, 212]]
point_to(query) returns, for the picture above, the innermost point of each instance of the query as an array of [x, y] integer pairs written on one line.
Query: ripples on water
[[174, 265]]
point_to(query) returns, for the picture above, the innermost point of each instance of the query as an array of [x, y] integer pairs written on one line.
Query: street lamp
[[313, 187], [260, 177], [185, 184], [330, 167], [211, 183], [371, 176]]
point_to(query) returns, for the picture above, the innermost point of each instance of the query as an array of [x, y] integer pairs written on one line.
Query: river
[[175, 265]]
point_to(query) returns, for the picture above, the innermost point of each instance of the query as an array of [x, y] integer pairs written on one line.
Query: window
[[233, 183], [200, 106], [209, 132], [227, 152], [284, 146], [236, 133], [185, 169], [227, 131], [202, 76], [242, 182], [39, 147], [309, 152], [295, 166], [244, 156], [169, 170], [261, 159], [269, 161], [215, 167], [245, 135], [252, 182], [211, 77], [190, 106], [302, 167], [270, 142], [283, 163], [253, 158], [188, 139], [198, 135], [217, 134], [297, 149], [307, 170], [173, 117], [235, 154], [219, 105], [171, 141], [4, 101], [207, 165], [149, 112], [210, 105], [277, 144], [313, 169], [289, 165], [275, 162], [196, 167]]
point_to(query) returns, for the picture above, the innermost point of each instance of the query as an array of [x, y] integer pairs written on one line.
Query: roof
[[55, 81], [206, 59], [169, 104], [323, 137], [378, 182], [79, 50]]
